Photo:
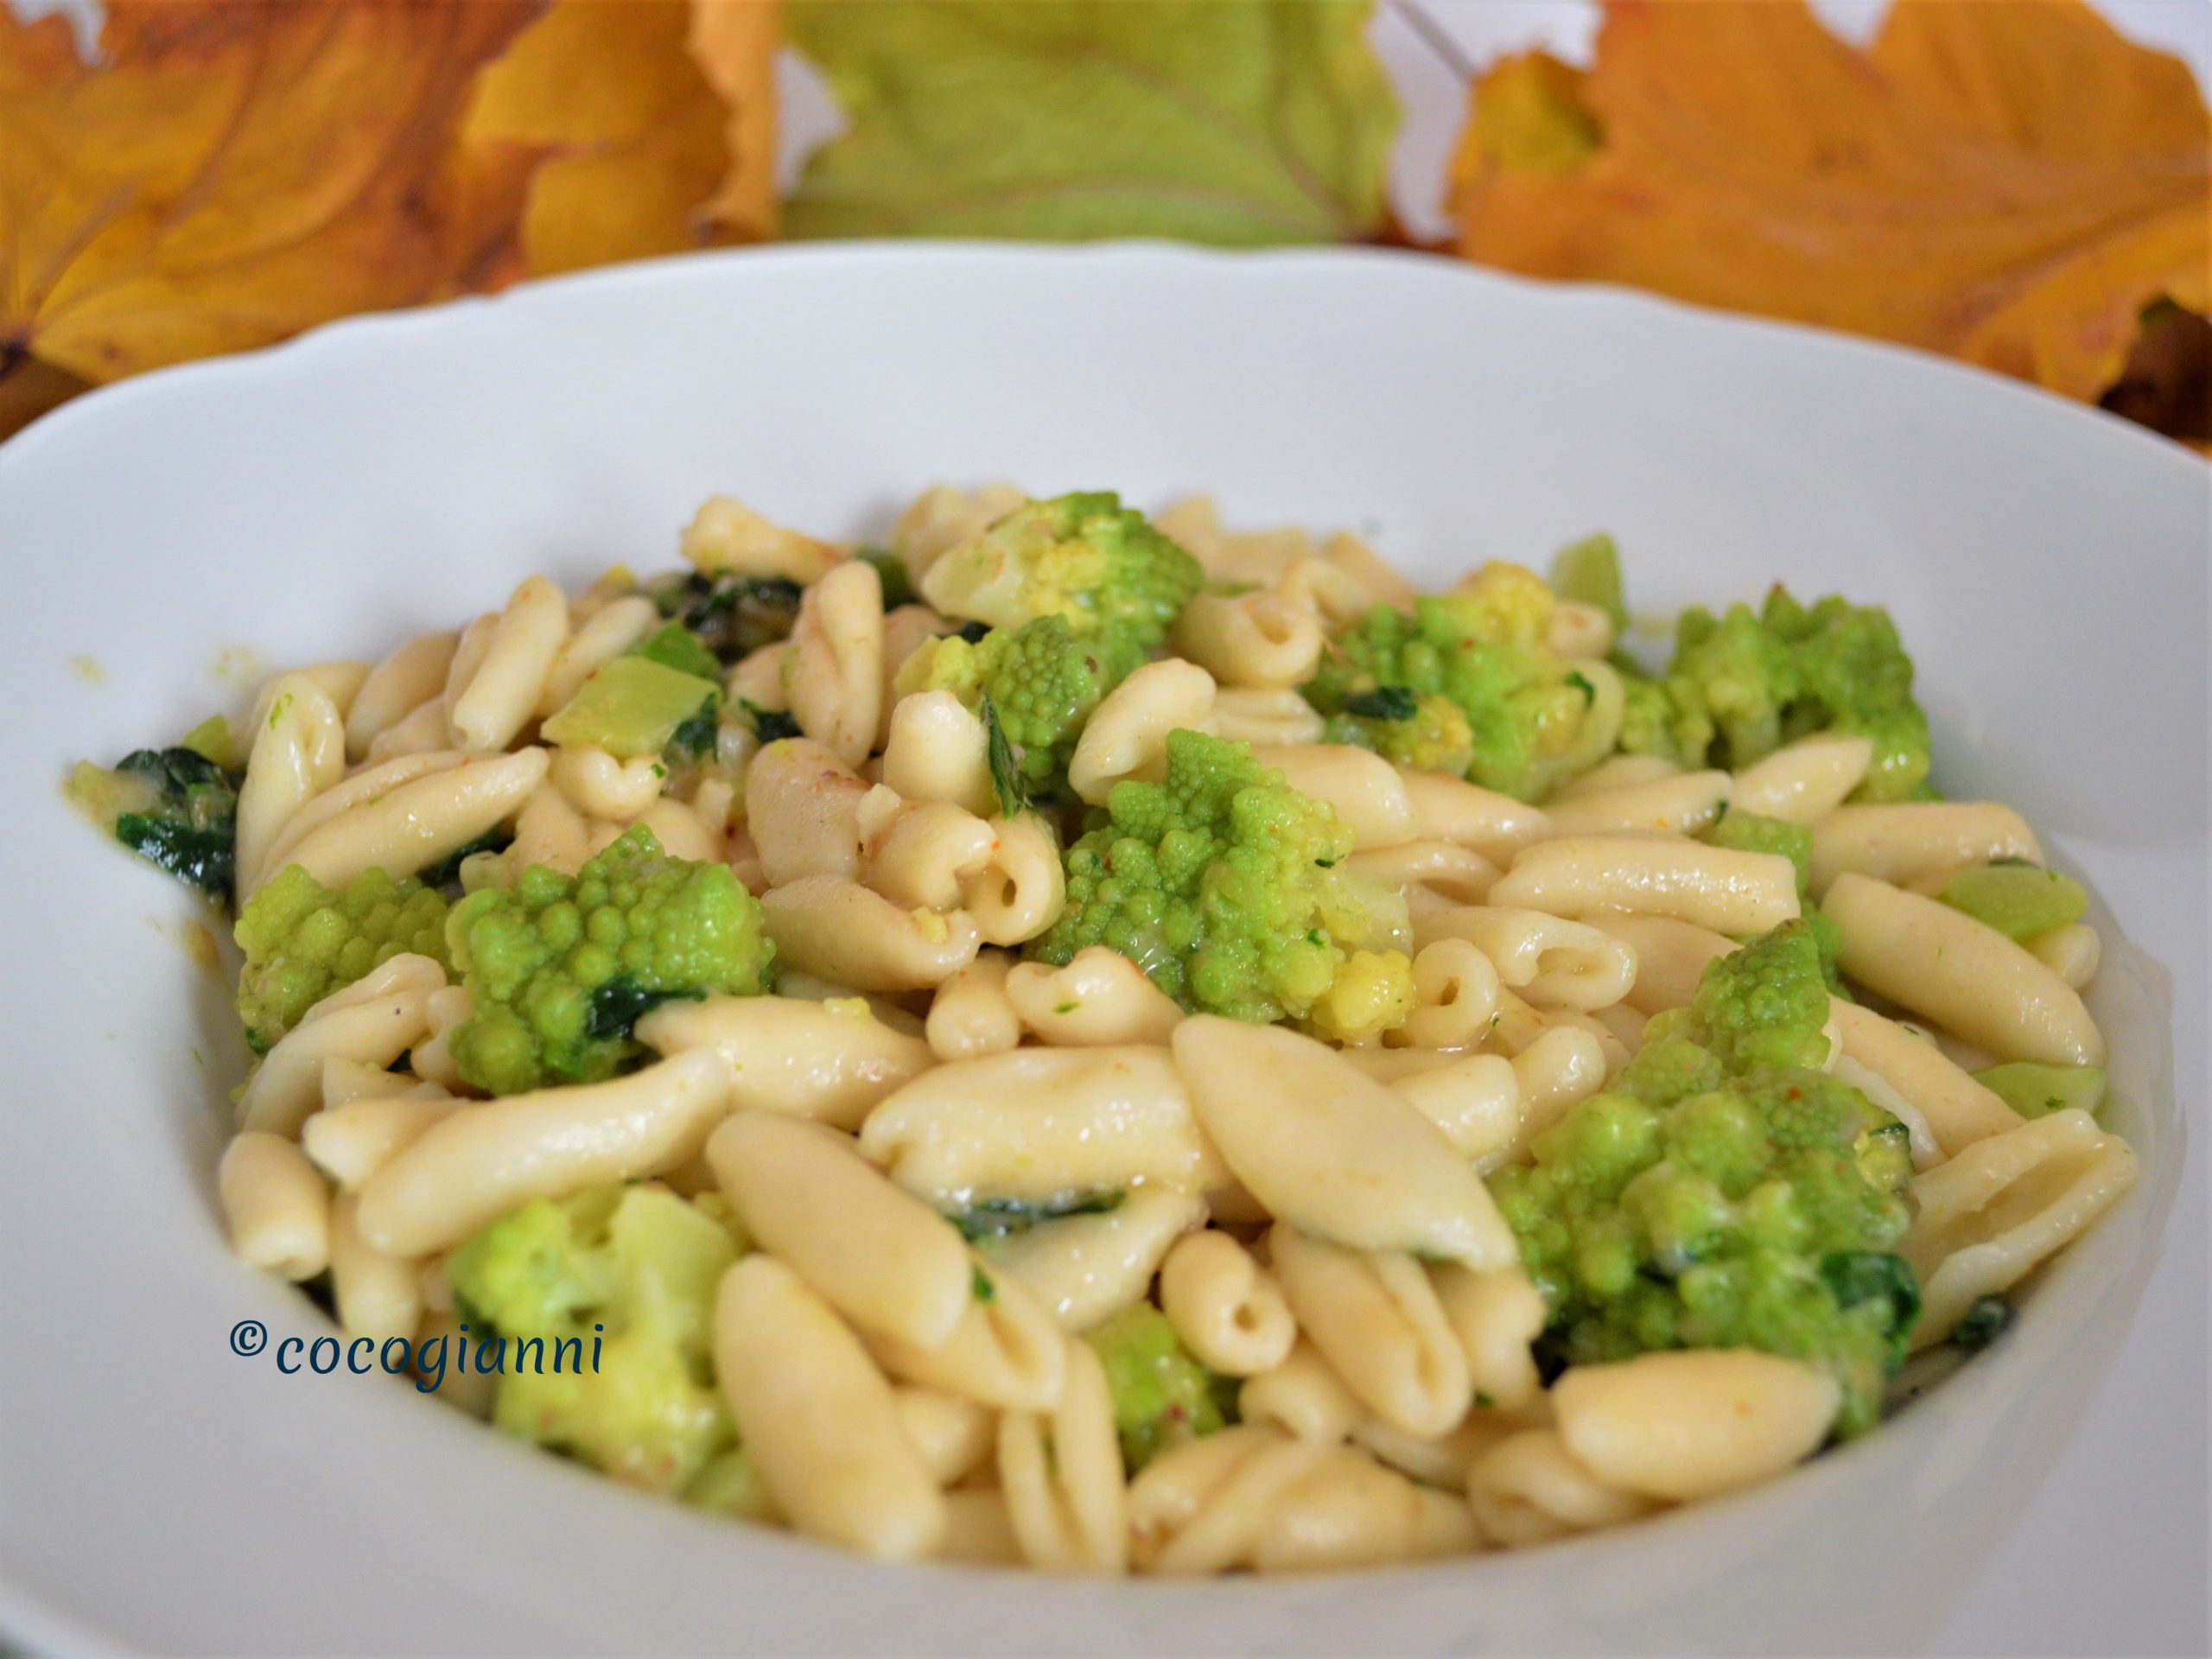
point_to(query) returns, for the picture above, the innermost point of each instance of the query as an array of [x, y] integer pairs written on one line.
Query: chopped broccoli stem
[[2019, 900], [1589, 573], [635, 706], [2035, 1090], [673, 645]]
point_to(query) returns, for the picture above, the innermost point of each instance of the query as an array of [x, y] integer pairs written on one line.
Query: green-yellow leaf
[[1239, 122]]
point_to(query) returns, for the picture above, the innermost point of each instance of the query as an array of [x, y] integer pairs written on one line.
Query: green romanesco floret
[[1428, 734], [560, 968], [1228, 888], [1043, 680], [1483, 648], [1743, 683], [1724, 1191], [1083, 557], [303, 941], [624, 1277], [1162, 1394], [1753, 832]]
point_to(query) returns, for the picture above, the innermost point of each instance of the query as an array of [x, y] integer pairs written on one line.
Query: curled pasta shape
[[346, 1080], [1127, 733], [421, 730], [1718, 887], [1036, 1123], [1927, 1151], [375, 1020], [853, 936], [1329, 1149], [2072, 952], [1303, 1397], [942, 517], [491, 705], [1440, 873], [1452, 809], [1474, 1098], [938, 750], [1226, 1307], [1618, 771], [1804, 781], [1230, 555], [410, 676], [1020, 887], [481, 1163], [1671, 956], [1198, 1508], [835, 675], [340, 682], [1958, 1109], [819, 1418], [1529, 1488], [276, 1207], [1251, 715], [759, 678], [369, 783], [1086, 1268], [420, 821], [1680, 806], [1352, 1511], [1376, 1319], [1562, 1067], [600, 786], [1581, 631], [1367, 793], [1061, 1475], [1496, 1316], [1999, 1208], [1100, 999], [379, 1295], [1444, 1461], [728, 536], [1693, 1423], [1552, 962], [1006, 1350], [952, 1436], [802, 808], [548, 830], [605, 635], [1258, 640], [884, 1260], [298, 751], [1599, 729], [1907, 841], [829, 1060], [444, 1011], [970, 1015], [919, 856], [1966, 977], [1455, 993], [351, 1141]]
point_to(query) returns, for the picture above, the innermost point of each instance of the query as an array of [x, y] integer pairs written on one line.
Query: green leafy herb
[[891, 570], [990, 1218], [769, 725], [981, 1285], [673, 645], [1982, 1323], [1383, 702], [1006, 767]]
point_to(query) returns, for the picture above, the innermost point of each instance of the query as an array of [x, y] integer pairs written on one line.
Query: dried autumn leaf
[[227, 175], [2010, 181], [1236, 122], [735, 43]]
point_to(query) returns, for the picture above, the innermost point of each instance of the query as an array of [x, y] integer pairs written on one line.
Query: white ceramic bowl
[[2046, 565]]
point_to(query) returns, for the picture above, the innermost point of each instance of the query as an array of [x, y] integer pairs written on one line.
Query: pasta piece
[[340, 682], [1126, 734], [1100, 999], [410, 676], [275, 1206], [421, 822], [979, 1532], [1671, 956], [1695, 1423], [1682, 804], [1020, 887], [942, 517], [550, 831], [1086, 1268], [1330, 1150], [1496, 1316], [1803, 782], [1351, 1511], [952, 1436], [608, 633], [1258, 640], [831, 1061], [481, 1163], [841, 931], [1440, 872], [938, 750], [759, 678], [1927, 1151], [727, 537], [802, 806], [1230, 556], [351, 1142], [346, 1080], [886, 1261], [375, 1020], [490, 706], [298, 751], [1958, 1110], [818, 1418], [431, 1059], [1966, 977], [1999, 1208], [971, 1015], [906, 629], [1376, 1319], [1452, 809], [1581, 631], [1255, 716], [1061, 1475], [682, 832], [1367, 793], [1005, 1351], [1037, 1123], [1442, 1462], [1303, 1397], [1198, 1508], [918, 855], [370, 783], [1620, 772], [1528, 1489], [1455, 991], [2072, 952], [600, 786], [835, 675], [1564, 1066], [1553, 963], [1905, 842], [1226, 1308], [1474, 1098], [1716, 887], [379, 1295]]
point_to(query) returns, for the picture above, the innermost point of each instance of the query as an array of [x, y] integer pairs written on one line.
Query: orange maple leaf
[[227, 175], [2008, 181]]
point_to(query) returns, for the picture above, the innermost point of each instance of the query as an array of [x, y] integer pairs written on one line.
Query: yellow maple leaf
[[226, 174], [2009, 182]]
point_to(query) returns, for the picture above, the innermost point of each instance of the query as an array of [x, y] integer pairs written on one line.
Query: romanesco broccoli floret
[[1483, 648], [561, 968], [1042, 680], [1724, 1191], [303, 941], [1428, 734], [1744, 683], [604, 1302], [1084, 557], [1162, 1396], [1228, 888]]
